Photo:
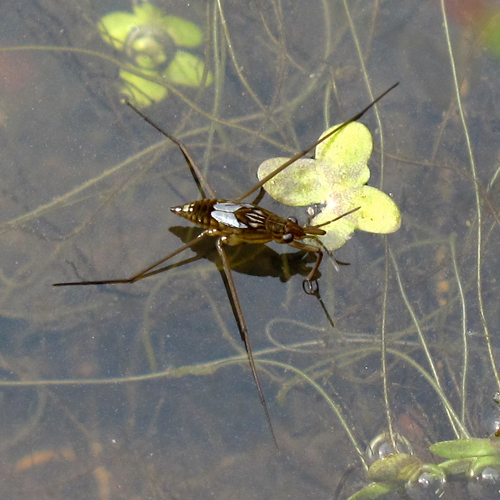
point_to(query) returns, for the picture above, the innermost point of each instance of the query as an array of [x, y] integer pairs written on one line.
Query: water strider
[[234, 222]]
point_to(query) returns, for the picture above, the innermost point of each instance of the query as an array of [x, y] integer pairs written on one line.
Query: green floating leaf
[[349, 150], [187, 69], [184, 32], [141, 91], [377, 214], [373, 491], [116, 27], [304, 182], [458, 467], [150, 41], [341, 160], [336, 179], [481, 463], [469, 467], [396, 468], [464, 448]]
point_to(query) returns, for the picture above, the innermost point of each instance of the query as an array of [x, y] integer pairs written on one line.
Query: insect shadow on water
[[234, 222]]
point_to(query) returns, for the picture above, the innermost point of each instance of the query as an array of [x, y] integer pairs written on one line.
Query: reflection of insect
[[233, 223]]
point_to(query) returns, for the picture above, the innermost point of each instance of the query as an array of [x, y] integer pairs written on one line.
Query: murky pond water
[[143, 391]]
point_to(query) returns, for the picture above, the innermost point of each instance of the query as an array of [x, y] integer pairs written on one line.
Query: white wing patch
[[225, 213], [228, 218], [229, 206]]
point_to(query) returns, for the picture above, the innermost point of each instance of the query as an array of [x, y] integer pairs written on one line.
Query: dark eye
[[288, 237], [293, 219]]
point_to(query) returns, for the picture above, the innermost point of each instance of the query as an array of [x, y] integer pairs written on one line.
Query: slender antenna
[[298, 156]]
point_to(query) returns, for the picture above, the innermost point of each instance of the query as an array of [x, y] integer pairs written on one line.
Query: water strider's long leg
[[145, 273], [198, 176], [242, 327]]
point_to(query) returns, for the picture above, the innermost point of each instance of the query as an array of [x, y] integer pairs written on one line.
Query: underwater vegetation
[[144, 391]]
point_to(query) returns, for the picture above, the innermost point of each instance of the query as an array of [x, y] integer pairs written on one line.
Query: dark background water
[[84, 194]]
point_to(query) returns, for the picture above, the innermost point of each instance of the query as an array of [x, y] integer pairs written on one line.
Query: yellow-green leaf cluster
[[153, 44], [336, 179]]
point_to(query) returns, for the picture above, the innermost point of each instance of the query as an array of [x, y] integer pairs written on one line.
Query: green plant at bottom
[[474, 461]]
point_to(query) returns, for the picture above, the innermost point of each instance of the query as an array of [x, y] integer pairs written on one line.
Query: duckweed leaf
[[302, 183], [141, 91], [150, 41], [349, 150], [187, 69], [117, 26], [373, 491], [336, 179]]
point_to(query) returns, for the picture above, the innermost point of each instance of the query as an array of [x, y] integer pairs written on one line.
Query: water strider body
[[240, 223], [237, 223], [234, 222]]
